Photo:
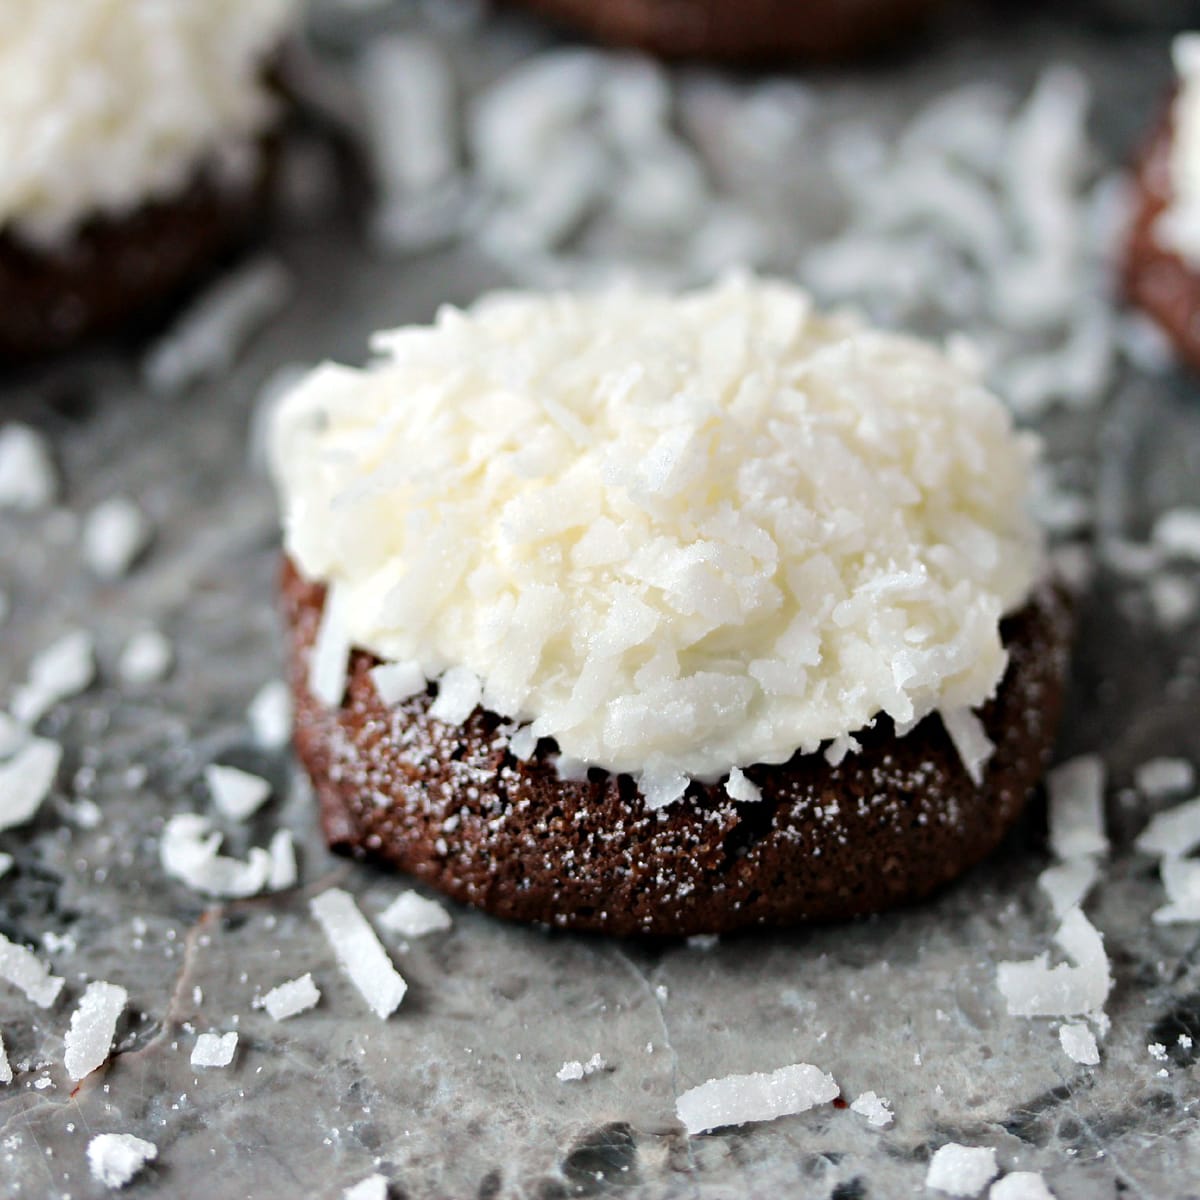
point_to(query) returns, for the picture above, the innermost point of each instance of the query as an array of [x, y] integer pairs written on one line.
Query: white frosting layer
[[1179, 226], [105, 104], [676, 534]]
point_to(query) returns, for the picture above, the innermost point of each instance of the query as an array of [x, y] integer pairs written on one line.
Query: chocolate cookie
[[1157, 279], [116, 269], [746, 30], [451, 805]]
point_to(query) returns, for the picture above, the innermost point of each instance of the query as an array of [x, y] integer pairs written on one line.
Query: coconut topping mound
[[676, 534], [106, 104]]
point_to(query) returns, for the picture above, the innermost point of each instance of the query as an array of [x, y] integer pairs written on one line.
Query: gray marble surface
[[455, 1096]]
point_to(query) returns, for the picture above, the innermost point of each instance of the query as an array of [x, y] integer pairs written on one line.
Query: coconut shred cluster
[[106, 104], [677, 534]]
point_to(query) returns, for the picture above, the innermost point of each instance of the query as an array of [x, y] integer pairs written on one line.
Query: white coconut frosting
[[1178, 227], [677, 534], [106, 104]]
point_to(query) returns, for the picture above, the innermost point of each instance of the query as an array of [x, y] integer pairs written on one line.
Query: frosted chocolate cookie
[[749, 30], [665, 614], [1162, 258], [135, 147]]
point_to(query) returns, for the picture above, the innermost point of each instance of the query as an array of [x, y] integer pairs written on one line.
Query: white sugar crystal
[[970, 739], [237, 794], [876, 1109], [412, 915], [1172, 833], [1020, 1185], [1067, 884], [114, 534], [358, 951], [330, 660], [1177, 533], [1079, 1043], [28, 480], [1181, 880], [459, 691], [290, 998], [1035, 989], [374, 1187], [6, 862], [145, 658], [214, 1049], [738, 1099], [26, 780], [6, 1072], [115, 1158], [208, 338], [24, 971], [570, 1071], [189, 849], [63, 669], [270, 715], [961, 1170], [397, 681], [738, 787], [282, 851], [1159, 777], [1076, 791], [93, 1027]]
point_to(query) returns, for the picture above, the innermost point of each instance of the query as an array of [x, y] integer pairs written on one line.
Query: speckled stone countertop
[[455, 1096]]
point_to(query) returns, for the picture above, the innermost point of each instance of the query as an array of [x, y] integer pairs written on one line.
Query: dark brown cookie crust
[[1156, 279], [117, 269], [452, 806], [744, 30]]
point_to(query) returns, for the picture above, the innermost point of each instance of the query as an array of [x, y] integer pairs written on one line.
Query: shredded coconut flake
[[145, 658], [62, 670], [971, 741], [24, 971], [398, 681], [270, 715], [412, 915], [26, 780], [6, 862], [189, 849], [1160, 777], [459, 691], [1076, 790], [1068, 884], [1173, 833], [739, 1099], [28, 480], [876, 1109], [114, 535], [1181, 879], [1020, 1185], [93, 1027], [214, 1049], [358, 951], [331, 653], [1177, 533], [237, 794], [1079, 1044], [1035, 989], [282, 852], [6, 1072], [291, 998], [961, 1170], [738, 787], [115, 1158], [575, 1070], [374, 1187]]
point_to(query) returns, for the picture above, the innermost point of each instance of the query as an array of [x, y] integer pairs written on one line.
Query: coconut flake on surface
[[398, 681], [1181, 881], [188, 850], [291, 998], [1076, 794], [28, 480], [739, 787], [961, 1170], [282, 852], [412, 915], [115, 1158], [1176, 533], [6, 862], [25, 971], [1173, 833], [1157, 778], [26, 780], [237, 794], [739, 1099], [214, 1049], [971, 741], [574, 1070], [145, 658], [1035, 989], [114, 535], [877, 1109], [358, 951], [207, 340], [6, 1071], [1079, 1044], [63, 669], [93, 1027], [374, 1187], [1020, 1185], [270, 715], [1068, 884]]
